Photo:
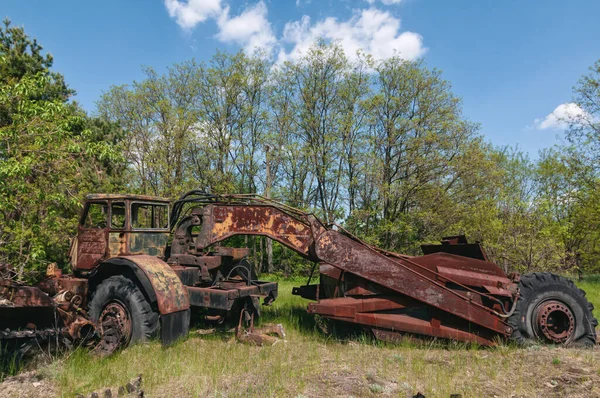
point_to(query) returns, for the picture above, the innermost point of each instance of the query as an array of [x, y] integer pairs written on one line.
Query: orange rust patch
[[170, 292]]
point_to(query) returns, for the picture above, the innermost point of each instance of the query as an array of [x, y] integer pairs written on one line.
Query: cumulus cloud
[[561, 117], [373, 31], [386, 2], [191, 13], [251, 29]]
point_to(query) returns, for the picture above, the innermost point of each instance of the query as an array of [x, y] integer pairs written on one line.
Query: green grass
[[309, 364], [591, 286]]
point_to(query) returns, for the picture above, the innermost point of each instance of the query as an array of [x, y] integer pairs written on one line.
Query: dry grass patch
[[310, 365]]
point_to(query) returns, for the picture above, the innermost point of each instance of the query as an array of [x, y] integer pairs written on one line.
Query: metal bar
[[350, 306], [405, 323]]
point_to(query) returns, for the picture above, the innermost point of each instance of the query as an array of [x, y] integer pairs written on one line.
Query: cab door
[[92, 235], [149, 228]]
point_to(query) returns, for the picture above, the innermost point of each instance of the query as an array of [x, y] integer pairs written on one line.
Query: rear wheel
[[551, 309], [122, 313]]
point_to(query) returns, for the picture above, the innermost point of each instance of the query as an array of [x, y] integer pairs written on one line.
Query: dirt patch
[[27, 385], [347, 383]]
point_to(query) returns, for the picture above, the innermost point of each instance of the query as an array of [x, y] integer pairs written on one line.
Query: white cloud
[[191, 13], [373, 31], [561, 117], [250, 29], [386, 2]]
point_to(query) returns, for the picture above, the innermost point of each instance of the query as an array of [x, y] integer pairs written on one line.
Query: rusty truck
[[141, 264]]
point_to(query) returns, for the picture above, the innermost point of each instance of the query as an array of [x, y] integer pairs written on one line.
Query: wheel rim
[[115, 327], [554, 321]]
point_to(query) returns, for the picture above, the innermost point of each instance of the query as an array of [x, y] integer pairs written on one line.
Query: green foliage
[[50, 155]]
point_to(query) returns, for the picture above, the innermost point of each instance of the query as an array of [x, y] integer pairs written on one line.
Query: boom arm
[[296, 231]]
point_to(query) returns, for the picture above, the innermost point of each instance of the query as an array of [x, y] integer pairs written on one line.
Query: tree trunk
[[268, 183]]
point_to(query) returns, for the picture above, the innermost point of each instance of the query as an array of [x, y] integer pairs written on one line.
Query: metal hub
[[115, 327], [555, 321]]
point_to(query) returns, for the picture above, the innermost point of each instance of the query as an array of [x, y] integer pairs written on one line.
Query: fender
[[160, 283]]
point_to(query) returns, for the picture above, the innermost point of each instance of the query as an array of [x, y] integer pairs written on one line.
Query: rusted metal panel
[[350, 306], [117, 244], [44, 310], [237, 253], [472, 278], [220, 222], [453, 261], [171, 294], [370, 304], [210, 262], [78, 286], [111, 196], [226, 293], [147, 242], [174, 326], [409, 324], [210, 298], [457, 245], [24, 296], [351, 256], [91, 247], [189, 276]]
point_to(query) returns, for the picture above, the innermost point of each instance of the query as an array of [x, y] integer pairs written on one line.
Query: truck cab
[[113, 225]]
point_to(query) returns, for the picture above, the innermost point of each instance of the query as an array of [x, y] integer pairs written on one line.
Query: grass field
[[308, 364]]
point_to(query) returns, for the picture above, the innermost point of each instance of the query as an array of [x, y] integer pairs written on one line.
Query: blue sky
[[512, 62]]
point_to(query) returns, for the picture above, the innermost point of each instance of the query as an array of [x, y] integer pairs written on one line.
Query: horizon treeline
[[378, 146]]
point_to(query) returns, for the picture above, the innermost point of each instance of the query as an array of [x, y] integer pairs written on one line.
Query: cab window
[[117, 215], [96, 216], [149, 216]]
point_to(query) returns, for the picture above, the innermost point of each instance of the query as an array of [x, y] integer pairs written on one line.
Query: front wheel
[[553, 310], [122, 314]]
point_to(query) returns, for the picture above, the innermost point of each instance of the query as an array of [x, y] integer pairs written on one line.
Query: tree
[[417, 142], [584, 129], [50, 155], [159, 118], [22, 56]]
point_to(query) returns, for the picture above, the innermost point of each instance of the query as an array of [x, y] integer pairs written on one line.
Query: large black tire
[[141, 321], [551, 309]]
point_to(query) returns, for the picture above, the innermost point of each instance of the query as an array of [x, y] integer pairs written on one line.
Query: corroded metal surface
[[117, 244], [223, 221], [170, 292], [92, 247], [50, 308], [115, 328], [357, 259], [123, 243], [18, 296], [150, 243], [111, 196], [554, 321], [236, 253]]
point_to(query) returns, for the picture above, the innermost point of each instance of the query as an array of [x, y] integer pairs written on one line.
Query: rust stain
[[171, 294]]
